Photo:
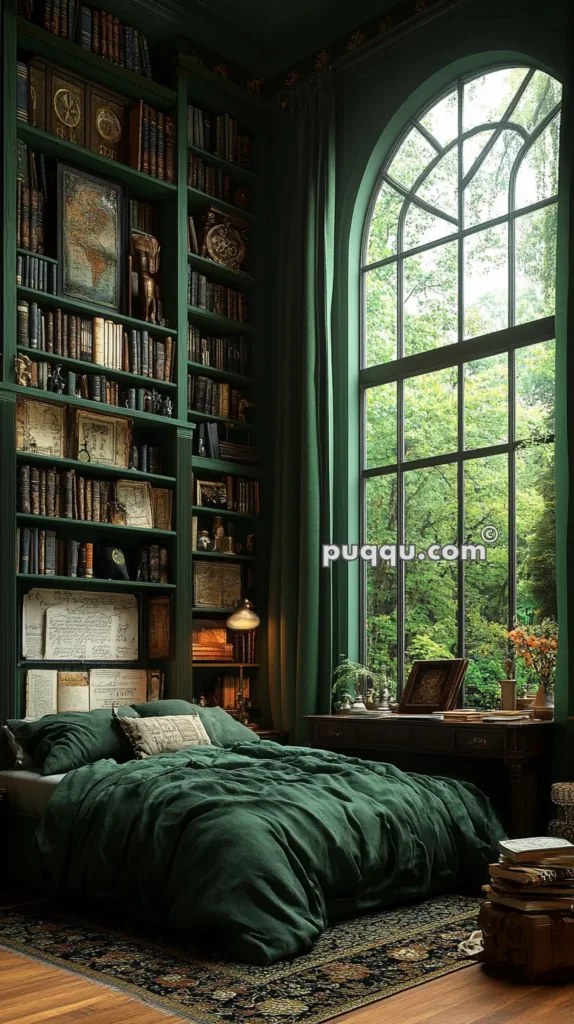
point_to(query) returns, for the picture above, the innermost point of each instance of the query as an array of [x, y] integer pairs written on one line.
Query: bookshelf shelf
[[220, 272], [143, 185], [199, 200], [35, 39], [27, 252], [89, 310], [86, 403], [213, 320], [228, 468], [223, 512], [233, 170], [91, 583], [88, 524], [223, 555], [83, 366], [225, 664], [226, 375], [204, 417], [92, 467], [213, 611]]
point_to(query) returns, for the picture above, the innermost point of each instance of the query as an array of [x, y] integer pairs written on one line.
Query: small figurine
[[57, 382], [204, 541], [23, 371], [166, 406], [146, 251]]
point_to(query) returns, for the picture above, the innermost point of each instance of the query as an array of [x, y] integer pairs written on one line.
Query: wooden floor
[[35, 993]]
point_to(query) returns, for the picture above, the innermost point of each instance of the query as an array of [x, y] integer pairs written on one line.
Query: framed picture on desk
[[433, 686]]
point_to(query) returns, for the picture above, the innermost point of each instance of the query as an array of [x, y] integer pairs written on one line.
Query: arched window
[[458, 279]]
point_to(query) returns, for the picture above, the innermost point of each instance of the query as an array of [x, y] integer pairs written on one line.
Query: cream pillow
[[164, 735]]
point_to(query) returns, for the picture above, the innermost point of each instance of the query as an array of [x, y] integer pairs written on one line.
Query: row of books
[[153, 565], [216, 298], [212, 180], [216, 399], [152, 142], [31, 198], [95, 340], [63, 494], [210, 445], [143, 216], [97, 388], [29, 218], [43, 553], [233, 354], [93, 29], [534, 874], [244, 646], [219, 135], [35, 272], [236, 494], [147, 458]]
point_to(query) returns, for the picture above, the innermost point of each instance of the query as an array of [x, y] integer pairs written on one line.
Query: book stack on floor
[[533, 875], [528, 920]]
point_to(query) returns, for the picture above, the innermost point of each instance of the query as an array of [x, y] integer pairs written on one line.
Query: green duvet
[[256, 849]]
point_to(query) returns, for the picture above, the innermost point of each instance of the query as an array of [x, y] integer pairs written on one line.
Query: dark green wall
[[377, 92]]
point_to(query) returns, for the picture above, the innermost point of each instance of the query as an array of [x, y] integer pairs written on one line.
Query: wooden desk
[[510, 762]]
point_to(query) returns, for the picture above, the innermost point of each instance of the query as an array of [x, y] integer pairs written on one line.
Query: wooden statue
[[146, 250]]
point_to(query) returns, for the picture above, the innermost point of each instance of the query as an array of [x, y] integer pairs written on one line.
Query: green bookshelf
[[188, 83]]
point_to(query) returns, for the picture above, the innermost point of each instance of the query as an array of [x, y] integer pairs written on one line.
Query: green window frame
[[393, 358]]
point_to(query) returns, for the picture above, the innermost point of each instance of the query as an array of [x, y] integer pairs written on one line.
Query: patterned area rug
[[352, 964]]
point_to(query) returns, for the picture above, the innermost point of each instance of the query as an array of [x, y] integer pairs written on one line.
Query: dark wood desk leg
[[524, 811]]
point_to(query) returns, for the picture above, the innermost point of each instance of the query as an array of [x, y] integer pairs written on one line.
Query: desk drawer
[[480, 739], [436, 738], [330, 735]]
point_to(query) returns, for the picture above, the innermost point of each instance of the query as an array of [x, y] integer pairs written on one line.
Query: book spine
[[21, 91]]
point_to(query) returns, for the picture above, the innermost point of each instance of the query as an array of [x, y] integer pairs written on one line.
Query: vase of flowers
[[537, 646]]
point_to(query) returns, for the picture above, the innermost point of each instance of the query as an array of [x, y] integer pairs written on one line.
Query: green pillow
[[222, 729], [158, 708], [70, 739]]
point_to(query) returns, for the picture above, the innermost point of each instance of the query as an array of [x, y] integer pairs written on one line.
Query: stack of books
[[533, 875]]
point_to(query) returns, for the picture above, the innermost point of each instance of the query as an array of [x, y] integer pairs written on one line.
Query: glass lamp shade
[[244, 617]]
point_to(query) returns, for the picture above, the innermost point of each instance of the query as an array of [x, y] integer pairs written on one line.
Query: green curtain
[[300, 602], [564, 690]]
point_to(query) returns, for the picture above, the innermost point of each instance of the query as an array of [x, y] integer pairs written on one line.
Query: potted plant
[[350, 683], [537, 646]]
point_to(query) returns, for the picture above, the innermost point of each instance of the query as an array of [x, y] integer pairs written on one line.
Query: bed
[[255, 847]]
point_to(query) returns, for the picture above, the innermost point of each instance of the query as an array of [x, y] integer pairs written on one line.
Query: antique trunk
[[534, 947]]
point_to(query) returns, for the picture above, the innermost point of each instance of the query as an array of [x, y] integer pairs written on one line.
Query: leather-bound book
[[68, 482], [50, 553], [169, 148], [51, 484], [25, 550], [42, 485], [73, 552], [35, 490], [163, 565], [160, 146], [24, 489], [154, 564], [152, 142], [89, 560]]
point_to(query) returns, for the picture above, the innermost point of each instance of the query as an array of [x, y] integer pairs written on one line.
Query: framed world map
[[91, 238]]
